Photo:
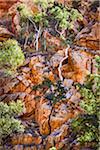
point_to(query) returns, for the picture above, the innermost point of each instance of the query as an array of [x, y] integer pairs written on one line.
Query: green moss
[[11, 55], [8, 122]]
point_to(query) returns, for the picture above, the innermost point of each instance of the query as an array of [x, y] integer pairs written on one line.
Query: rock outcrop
[[45, 123]]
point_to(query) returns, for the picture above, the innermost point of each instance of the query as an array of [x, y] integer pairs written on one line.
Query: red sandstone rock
[[5, 5], [59, 116], [22, 139], [89, 40], [42, 113], [57, 137], [78, 67]]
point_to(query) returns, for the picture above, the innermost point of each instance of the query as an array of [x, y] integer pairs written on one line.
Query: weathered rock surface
[[57, 137], [78, 67], [59, 116], [53, 43], [51, 121], [42, 113], [5, 5], [89, 37], [26, 139]]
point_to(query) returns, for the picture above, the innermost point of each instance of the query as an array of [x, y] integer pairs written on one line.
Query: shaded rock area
[[89, 37]]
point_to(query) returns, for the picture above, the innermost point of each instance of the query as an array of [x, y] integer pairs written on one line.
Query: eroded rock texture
[[46, 123], [89, 37]]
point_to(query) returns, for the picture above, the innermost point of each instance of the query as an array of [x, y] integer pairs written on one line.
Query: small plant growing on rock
[[8, 119], [11, 55], [24, 11], [65, 18], [86, 126], [53, 148], [54, 92], [47, 17], [57, 93]]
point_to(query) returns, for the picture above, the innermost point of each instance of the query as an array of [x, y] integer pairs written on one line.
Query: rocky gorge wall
[[46, 124]]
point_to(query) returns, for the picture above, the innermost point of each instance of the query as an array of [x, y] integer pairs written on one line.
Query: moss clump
[[8, 122], [11, 55]]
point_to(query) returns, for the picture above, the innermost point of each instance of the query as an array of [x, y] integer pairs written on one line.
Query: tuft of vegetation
[[9, 123], [11, 56], [53, 148], [91, 94], [57, 94], [24, 11], [86, 126], [44, 3], [47, 16], [54, 91], [65, 18]]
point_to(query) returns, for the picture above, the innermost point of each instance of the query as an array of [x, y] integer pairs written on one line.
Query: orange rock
[[57, 137], [29, 104], [19, 88], [89, 40], [77, 68], [60, 116], [36, 64], [36, 76], [5, 5], [42, 113], [28, 90], [53, 43], [22, 139], [50, 76]]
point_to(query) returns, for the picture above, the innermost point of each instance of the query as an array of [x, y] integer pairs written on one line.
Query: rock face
[[5, 5], [78, 67], [53, 43], [59, 116], [89, 37], [42, 113], [45, 123]]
